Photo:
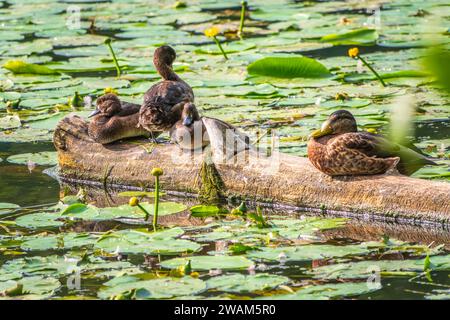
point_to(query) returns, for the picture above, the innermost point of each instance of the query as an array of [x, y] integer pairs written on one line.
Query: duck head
[[164, 55], [338, 122], [189, 114], [107, 105]]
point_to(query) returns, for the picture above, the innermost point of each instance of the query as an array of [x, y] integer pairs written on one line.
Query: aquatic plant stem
[[156, 207], [220, 47], [372, 69], [145, 211], [108, 43], [241, 24]]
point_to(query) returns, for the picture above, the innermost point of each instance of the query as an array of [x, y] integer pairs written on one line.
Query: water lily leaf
[[10, 122], [6, 207], [288, 67], [149, 194], [307, 252], [363, 269], [204, 211], [60, 241], [164, 288], [362, 36], [239, 283], [209, 262], [135, 242], [17, 66], [328, 291], [39, 220], [45, 158]]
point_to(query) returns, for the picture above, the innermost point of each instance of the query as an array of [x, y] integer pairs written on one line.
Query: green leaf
[[201, 211], [362, 36], [210, 262], [164, 288], [18, 66], [288, 67], [45, 158], [6, 208], [239, 283]]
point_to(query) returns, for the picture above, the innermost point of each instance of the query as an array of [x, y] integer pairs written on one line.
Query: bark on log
[[291, 182]]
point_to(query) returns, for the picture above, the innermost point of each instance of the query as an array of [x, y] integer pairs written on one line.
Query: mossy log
[[281, 180]]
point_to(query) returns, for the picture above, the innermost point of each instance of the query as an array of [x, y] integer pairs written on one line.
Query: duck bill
[[187, 121], [93, 113], [321, 132]]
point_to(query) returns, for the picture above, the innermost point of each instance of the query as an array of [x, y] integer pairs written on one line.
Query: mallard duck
[[193, 132], [114, 120], [189, 133], [338, 148], [164, 101]]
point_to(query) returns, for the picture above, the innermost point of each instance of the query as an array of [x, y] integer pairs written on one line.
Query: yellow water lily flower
[[110, 90], [353, 52], [133, 202], [212, 32]]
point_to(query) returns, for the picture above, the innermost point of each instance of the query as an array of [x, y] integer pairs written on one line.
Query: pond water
[[62, 250]]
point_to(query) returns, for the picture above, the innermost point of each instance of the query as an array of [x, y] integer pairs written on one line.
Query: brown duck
[[164, 101], [114, 120], [337, 148], [191, 132]]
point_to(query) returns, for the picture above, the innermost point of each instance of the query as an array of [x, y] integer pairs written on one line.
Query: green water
[[293, 108]]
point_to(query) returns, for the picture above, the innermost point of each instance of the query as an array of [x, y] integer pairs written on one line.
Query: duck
[[193, 132], [164, 101], [114, 119], [338, 149], [189, 133]]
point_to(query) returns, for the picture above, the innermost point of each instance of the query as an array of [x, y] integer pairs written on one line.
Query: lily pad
[[45, 158], [209, 262], [239, 283], [6, 208], [164, 288], [288, 67]]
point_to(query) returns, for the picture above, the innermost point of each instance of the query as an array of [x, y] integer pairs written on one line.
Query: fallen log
[[280, 179]]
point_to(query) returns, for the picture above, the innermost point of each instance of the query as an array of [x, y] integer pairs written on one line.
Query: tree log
[[282, 180]]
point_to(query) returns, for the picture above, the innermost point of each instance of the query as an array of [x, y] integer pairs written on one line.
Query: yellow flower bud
[[195, 274], [110, 90], [133, 202], [353, 52], [212, 32], [157, 172]]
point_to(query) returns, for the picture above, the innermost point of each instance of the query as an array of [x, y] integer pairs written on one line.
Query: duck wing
[[169, 93], [128, 108], [373, 145]]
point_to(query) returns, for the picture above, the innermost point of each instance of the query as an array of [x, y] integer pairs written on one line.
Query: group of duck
[[337, 148]]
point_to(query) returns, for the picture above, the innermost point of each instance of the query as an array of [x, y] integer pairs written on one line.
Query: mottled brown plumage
[[339, 149], [114, 120], [164, 101]]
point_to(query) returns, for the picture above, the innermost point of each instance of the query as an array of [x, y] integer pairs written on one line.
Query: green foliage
[[288, 67]]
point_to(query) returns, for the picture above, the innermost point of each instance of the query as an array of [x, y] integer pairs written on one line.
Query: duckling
[[114, 120], [193, 132], [338, 148], [164, 101], [189, 133]]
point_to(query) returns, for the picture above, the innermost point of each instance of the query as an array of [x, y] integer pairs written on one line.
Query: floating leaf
[[45, 158], [164, 288], [239, 283], [362, 36], [17, 67], [209, 262], [6, 208], [288, 67]]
